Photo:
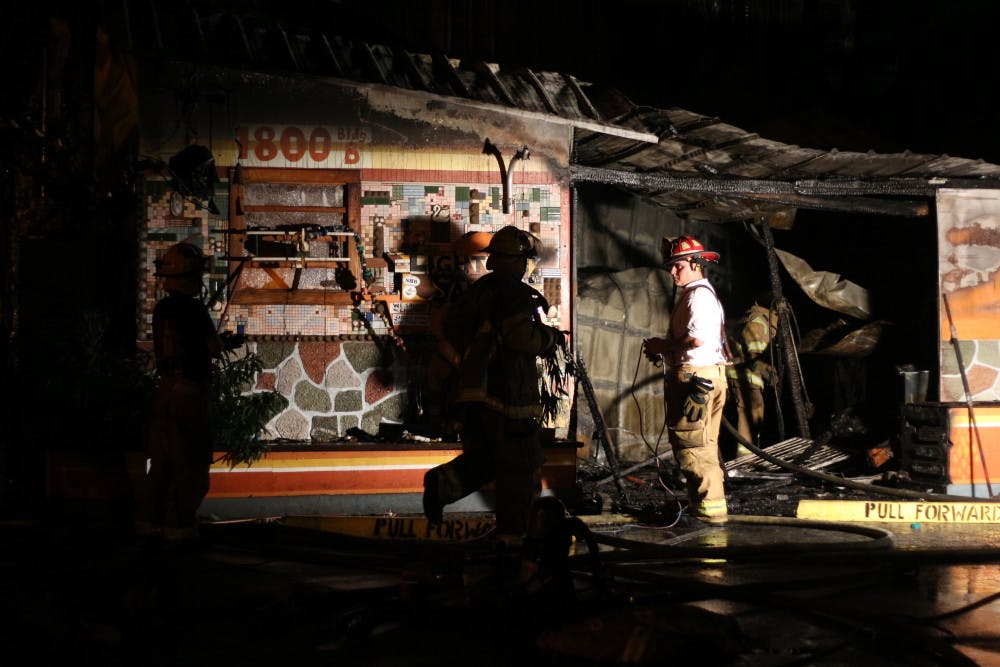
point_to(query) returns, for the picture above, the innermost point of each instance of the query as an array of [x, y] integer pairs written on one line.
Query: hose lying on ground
[[833, 479], [842, 481]]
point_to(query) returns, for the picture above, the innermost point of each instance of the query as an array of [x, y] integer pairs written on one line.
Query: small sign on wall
[[410, 314]]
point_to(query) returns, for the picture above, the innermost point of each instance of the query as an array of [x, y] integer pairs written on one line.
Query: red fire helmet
[[684, 247]]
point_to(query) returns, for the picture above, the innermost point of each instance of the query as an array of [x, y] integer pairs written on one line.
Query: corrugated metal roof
[[696, 165], [709, 170]]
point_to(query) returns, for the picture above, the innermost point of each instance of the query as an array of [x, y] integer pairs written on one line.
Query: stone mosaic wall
[[969, 270], [331, 387], [982, 368]]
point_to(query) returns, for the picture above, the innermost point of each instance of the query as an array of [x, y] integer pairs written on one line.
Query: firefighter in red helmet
[[694, 355]]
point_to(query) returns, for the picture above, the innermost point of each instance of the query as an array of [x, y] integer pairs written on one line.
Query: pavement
[[762, 590]]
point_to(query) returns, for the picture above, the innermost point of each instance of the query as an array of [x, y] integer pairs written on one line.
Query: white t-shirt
[[699, 314]]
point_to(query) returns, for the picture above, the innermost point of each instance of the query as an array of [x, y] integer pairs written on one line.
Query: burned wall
[[421, 193]]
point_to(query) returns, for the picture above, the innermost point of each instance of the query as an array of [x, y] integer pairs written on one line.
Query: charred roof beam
[[617, 120], [200, 31], [372, 65], [624, 153], [801, 163], [484, 70], [699, 124], [702, 150], [286, 43], [897, 187], [404, 60], [536, 83], [846, 195], [241, 31], [914, 167], [757, 160], [861, 205], [926, 187], [444, 67], [582, 101], [331, 55]]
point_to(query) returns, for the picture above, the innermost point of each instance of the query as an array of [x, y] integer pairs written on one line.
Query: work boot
[[432, 499], [717, 518]]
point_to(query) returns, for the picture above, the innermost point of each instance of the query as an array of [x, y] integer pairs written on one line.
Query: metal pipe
[[508, 196], [973, 426], [506, 172], [490, 149]]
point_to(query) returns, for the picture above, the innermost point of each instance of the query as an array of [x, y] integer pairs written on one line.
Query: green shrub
[[240, 412]]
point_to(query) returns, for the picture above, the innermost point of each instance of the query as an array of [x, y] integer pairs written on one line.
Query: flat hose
[[841, 481], [880, 539]]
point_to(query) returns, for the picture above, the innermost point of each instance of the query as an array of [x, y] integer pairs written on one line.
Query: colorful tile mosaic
[[326, 360]]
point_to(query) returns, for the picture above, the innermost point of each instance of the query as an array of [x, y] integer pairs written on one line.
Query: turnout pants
[[495, 449], [180, 452], [696, 443]]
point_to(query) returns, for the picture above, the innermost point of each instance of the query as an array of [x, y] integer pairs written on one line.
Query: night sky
[[886, 76]]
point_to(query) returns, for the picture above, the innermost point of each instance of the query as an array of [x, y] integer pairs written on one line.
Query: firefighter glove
[[694, 404]]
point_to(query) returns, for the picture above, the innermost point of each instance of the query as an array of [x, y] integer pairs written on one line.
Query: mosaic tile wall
[[322, 358], [196, 225], [391, 215]]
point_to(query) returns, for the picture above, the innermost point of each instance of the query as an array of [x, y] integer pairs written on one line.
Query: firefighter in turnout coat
[[490, 342], [185, 343], [752, 371]]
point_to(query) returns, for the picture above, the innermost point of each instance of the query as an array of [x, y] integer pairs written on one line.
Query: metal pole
[[973, 427], [601, 427], [785, 335]]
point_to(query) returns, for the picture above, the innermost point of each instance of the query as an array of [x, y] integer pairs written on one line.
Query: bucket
[[915, 386]]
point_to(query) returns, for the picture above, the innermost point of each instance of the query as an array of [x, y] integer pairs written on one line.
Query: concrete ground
[[765, 591]]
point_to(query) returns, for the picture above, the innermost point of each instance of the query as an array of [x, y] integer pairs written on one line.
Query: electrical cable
[[654, 450]]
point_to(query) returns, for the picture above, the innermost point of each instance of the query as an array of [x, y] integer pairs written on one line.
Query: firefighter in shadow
[[752, 371], [486, 369], [180, 433]]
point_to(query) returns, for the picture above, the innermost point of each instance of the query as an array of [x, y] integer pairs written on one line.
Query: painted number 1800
[[264, 143]]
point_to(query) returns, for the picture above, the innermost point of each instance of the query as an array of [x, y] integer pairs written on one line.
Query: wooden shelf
[[290, 297], [316, 262], [348, 227], [275, 208], [291, 232]]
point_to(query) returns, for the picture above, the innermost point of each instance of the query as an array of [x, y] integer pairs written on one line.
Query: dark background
[[886, 76]]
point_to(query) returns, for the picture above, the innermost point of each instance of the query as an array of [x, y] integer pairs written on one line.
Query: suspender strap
[[727, 353]]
